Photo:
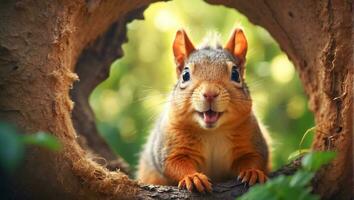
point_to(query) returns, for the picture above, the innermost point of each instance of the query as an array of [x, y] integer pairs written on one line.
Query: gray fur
[[154, 153], [211, 63], [211, 56]]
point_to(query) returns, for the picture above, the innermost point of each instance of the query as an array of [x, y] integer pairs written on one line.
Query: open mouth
[[210, 116]]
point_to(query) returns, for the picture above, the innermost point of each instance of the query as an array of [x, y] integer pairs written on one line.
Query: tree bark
[[42, 50]]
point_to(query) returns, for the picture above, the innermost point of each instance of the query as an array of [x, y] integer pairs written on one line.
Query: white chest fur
[[217, 153]]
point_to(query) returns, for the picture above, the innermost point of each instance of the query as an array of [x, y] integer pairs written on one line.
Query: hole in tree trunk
[[45, 39], [127, 103]]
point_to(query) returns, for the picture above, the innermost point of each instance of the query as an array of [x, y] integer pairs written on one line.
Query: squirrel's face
[[211, 89]]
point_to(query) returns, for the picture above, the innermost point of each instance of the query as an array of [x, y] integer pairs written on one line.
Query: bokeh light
[[282, 69]]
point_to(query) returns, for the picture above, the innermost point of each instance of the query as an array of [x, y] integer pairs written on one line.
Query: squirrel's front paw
[[197, 180], [251, 176]]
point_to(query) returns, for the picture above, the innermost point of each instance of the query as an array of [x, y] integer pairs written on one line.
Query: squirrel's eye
[[235, 76], [186, 75]]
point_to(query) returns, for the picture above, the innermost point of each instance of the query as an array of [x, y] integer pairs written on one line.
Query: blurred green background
[[127, 103]]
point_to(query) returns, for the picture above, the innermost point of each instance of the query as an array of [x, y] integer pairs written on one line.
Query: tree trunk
[[45, 45]]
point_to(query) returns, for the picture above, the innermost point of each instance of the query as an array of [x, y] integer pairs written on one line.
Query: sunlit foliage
[[127, 103]]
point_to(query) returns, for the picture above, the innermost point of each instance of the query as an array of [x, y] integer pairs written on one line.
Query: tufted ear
[[182, 48], [237, 45]]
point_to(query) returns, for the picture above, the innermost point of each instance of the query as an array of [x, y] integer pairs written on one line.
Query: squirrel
[[208, 131]]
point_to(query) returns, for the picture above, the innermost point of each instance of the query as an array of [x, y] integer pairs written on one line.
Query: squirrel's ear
[[237, 45], [182, 48]]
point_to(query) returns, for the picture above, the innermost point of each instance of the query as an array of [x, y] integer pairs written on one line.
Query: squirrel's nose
[[210, 96]]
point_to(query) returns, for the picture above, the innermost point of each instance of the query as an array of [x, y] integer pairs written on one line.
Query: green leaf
[[301, 178], [42, 139], [11, 147], [280, 188], [298, 153], [312, 129], [314, 160]]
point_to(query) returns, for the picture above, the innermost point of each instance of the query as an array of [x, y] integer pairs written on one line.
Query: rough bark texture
[[92, 68], [42, 51]]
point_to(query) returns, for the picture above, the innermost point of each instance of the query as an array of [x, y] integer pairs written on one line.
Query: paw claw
[[198, 181], [252, 176]]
